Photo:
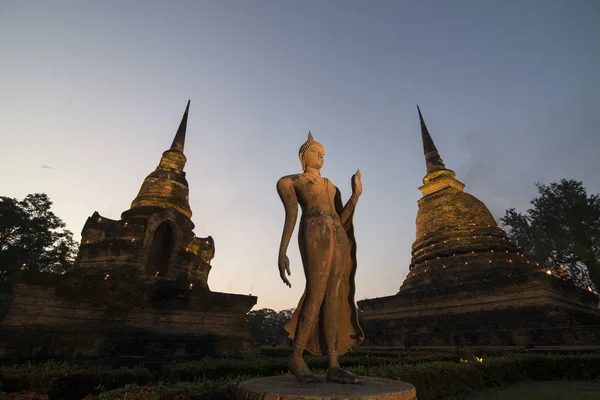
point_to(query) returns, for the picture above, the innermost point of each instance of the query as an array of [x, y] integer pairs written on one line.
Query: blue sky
[[510, 91]]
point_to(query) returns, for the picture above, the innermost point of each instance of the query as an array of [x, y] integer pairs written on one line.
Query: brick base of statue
[[287, 387]]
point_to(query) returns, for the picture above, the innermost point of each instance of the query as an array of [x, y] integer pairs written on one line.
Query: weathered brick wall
[[511, 326], [451, 207], [539, 309], [470, 269], [81, 315], [166, 186]]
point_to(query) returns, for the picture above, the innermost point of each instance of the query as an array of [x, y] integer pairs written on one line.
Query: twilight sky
[[510, 91]]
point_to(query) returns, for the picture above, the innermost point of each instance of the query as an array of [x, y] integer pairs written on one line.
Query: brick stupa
[[139, 287], [155, 236], [469, 284]]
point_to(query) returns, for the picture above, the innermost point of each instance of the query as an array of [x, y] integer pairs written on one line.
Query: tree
[[266, 325], [32, 237], [562, 231]]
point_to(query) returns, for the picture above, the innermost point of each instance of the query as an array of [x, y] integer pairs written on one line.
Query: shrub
[[24, 396], [216, 368], [432, 380], [37, 377], [79, 383], [129, 392], [12, 382], [41, 376], [224, 388]]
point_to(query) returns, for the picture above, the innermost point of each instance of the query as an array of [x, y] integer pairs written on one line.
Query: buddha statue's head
[[311, 154]]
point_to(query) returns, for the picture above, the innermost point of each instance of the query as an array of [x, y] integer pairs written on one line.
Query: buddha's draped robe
[[348, 329]]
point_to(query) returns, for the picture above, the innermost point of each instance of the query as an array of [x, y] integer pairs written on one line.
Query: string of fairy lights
[[157, 273], [431, 232], [437, 243], [447, 285], [536, 271], [532, 272], [423, 247], [106, 276], [473, 252], [133, 240], [493, 254]]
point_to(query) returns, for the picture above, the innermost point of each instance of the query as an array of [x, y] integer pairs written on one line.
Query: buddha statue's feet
[[340, 375], [301, 370]]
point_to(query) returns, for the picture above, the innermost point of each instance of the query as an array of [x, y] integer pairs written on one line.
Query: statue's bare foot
[[340, 375], [301, 370]]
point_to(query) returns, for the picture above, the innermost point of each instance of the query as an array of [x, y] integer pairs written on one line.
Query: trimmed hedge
[[433, 380], [216, 368], [217, 378], [441, 379]]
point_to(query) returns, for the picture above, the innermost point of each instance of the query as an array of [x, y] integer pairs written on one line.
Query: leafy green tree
[[32, 237], [561, 231]]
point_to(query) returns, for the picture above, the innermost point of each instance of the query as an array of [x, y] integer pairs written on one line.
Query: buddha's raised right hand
[[284, 266], [356, 183]]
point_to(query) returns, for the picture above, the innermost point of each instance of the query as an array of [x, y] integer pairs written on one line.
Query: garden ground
[[437, 374]]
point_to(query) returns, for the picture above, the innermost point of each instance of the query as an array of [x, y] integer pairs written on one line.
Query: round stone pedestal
[[287, 387]]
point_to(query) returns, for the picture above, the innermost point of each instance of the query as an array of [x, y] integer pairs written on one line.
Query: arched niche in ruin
[[161, 249]]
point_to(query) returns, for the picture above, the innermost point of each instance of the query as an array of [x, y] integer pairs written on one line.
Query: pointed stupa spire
[[179, 139], [432, 158], [166, 186]]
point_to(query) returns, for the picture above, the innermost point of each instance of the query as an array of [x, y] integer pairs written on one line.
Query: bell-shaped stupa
[[457, 238], [469, 284]]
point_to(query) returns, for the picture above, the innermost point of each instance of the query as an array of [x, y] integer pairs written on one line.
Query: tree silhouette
[[562, 231], [33, 238], [266, 326]]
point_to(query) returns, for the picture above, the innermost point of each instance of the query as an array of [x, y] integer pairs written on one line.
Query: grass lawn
[[538, 390]]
